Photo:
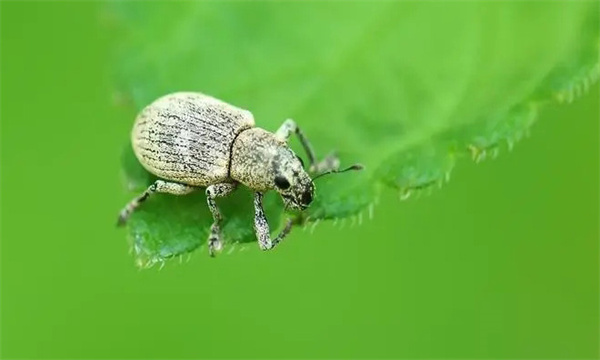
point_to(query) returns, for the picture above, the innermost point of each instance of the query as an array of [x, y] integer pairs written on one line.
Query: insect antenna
[[335, 171]]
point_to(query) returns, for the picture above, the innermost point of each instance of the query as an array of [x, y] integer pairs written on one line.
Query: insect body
[[191, 140]]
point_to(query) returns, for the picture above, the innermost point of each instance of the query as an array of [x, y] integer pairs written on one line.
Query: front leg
[[212, 192], [261, 226], [329, 163], [285, 131]]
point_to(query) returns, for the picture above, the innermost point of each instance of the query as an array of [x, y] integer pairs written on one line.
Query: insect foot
[[270, 244], [214, 241], [122, 218]]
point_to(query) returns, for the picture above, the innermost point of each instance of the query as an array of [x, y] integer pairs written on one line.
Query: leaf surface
[[405, 88]]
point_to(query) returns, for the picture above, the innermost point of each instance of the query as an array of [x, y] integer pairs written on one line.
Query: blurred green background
[[500, 263]]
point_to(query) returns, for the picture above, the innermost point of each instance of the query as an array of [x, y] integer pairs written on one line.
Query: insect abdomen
[[187, 137]]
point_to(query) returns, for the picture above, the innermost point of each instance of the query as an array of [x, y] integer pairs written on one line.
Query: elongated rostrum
[[192, 141]]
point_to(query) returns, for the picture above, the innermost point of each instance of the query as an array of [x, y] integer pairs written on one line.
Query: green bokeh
[[501, 263]]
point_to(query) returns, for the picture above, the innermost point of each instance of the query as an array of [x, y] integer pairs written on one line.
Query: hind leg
[[159, 186]]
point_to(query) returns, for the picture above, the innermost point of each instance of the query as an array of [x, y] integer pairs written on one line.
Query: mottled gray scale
[[255, 148], [187, 138]]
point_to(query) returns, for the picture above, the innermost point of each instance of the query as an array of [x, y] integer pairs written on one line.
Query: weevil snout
[[300, 196], [291, 180], [307, 195], [307, 198]]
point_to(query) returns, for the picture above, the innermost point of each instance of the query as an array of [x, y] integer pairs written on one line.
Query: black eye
[[281, 182]]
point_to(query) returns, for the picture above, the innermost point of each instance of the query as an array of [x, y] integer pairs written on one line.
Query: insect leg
[[261, 226], [285, 131], [158, 186], [212, 192]]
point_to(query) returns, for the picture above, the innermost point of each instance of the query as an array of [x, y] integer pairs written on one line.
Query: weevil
[[191, 141]]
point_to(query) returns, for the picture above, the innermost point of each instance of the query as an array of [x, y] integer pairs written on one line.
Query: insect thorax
[[254, 158]]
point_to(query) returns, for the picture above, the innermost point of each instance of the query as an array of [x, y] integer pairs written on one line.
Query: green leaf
[[405, 88]]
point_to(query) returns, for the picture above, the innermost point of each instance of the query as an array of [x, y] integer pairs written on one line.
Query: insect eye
[[281, 182]]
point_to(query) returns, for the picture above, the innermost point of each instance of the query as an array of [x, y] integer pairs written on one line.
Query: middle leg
[[212, 192]]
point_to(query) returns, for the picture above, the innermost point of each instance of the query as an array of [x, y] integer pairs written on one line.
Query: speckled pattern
[[259, 157], [261, 226], [187, 137]]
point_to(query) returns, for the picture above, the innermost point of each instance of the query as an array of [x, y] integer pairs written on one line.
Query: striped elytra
[[187, 137]]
